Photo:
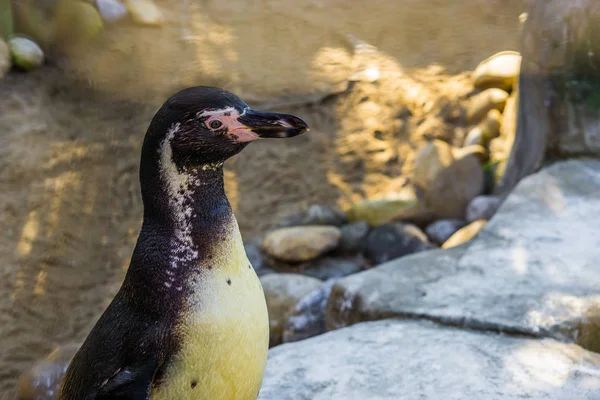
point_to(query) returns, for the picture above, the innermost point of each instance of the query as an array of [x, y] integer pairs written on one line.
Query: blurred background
[[394, 92]]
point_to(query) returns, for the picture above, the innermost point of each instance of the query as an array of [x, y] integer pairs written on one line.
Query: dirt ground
[[70, 133]]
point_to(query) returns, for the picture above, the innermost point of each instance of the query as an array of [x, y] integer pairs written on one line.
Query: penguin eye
[[215, 124]]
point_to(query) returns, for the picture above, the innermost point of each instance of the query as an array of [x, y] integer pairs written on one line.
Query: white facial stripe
[[210, 113], [180, 187]]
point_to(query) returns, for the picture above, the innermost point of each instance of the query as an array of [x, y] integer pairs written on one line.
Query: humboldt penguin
[[190, 319]]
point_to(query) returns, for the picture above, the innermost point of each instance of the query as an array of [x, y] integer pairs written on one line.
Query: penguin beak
[[272, 125]]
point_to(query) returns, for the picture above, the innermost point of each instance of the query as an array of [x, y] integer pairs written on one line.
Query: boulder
[[441, 230], [454, 187], [498, 71], [391, 241], [283, 292], [464, 234], [530, 271], [412, 360], [308, 318], [482, 103], [302, 243]]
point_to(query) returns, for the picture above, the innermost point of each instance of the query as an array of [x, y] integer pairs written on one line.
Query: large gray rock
[[411, 360], [533, 269]]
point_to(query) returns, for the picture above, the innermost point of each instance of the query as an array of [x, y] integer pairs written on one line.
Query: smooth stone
[[308, 318], [111, 11], [316, 214], [42, 381], [391, 241], [145, 12], [333, 267], [441, 230], [420, 216], [482, 103], [25, 53], [4, 58], [532, 270], [383, 210], [483, 207], [464, 234], [352, 236], [419, 360], [430, 160], [486, 130], [454, 187], [301, 243], [476, 150], [282, 293], [498, 71], [76, 22]]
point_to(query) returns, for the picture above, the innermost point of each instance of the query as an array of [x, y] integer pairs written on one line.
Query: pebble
[[42, 381], [379, 211], [301, 243], [454, 187], [430, 160], [145, 12], [333, 267], [352, 236], [316, 214], [498, 71], [440, 231], [282, 293], [464, 234], [308, 318], [111, 11], [25, 53], [487, 130], [478, 151], [390, 241], [483, 207], [482, 103], [4, 58]]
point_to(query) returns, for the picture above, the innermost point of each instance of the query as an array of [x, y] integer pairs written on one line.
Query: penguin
[[190, 318]]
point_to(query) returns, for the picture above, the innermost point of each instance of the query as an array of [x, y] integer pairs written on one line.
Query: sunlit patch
[[30, 232]]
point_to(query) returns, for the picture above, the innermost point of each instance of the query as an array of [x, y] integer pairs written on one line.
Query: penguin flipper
[[130, 383]]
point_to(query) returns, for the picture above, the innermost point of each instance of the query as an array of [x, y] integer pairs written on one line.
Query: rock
[[308, 318], [42, 381], [441, 230], [524, 273], [76, 22], [464, 234], [383, 210], [476, 150], [302, 243], [486, 130], [430, 160], [4, 58], [283, 292], [482, 103], [111, 11], [483, 207], [412, 360], [352, 236], [391, 241], [454, 187], [25, 53], [33, 22], [317, 214], [498, 71], [256, 258], [420, 216], [333, 267], [145, 12]]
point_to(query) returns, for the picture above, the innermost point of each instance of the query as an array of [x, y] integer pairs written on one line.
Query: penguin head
[[206, 125]]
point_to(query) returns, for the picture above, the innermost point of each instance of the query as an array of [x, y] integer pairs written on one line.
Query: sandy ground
[[69, 149]]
